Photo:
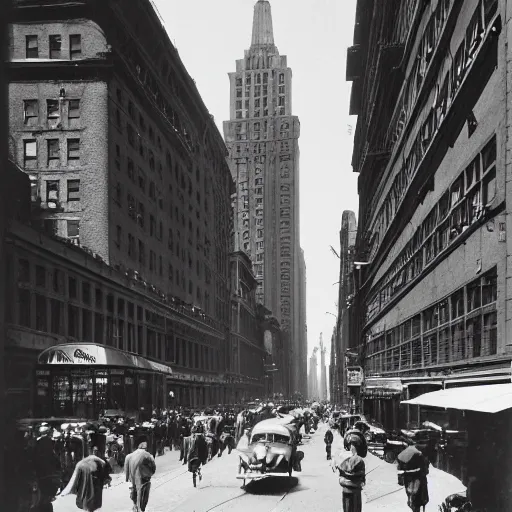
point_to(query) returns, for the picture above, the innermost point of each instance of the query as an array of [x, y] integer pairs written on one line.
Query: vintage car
[[271, 450]]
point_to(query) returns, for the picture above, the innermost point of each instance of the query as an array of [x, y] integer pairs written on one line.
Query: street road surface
[[315, 489]]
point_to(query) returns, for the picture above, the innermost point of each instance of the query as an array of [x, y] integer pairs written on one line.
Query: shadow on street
[[272, 486]]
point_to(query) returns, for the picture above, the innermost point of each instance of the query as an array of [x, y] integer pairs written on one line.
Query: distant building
[[313, 389], [262, 139]]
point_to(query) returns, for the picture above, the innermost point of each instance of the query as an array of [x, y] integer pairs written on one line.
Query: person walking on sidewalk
[[352, 478], [139, 468], [412, 474], [328, 439]]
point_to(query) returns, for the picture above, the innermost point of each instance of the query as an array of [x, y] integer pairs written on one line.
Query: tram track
[[243, 494]]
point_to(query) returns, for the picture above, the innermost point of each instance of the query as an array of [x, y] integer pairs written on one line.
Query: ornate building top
[[262, 30]]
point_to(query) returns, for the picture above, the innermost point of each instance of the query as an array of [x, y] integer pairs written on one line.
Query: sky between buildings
[[211, 35]]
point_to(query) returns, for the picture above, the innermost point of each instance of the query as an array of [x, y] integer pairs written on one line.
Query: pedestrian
[[87, 482], [139, 468], [197, 454], [352, 477], [328, 439], [412, 474]]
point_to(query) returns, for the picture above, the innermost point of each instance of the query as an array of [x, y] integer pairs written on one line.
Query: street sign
[[354, 376]]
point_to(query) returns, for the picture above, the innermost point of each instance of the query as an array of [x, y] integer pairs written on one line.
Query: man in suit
[[139, 468]]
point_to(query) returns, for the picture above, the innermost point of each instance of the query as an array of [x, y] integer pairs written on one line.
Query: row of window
[[461, 327], [48, 283], [54, 46], [425, 52], [54, 111], [53, 190], [464, 203], [455, 74], [53, 153]]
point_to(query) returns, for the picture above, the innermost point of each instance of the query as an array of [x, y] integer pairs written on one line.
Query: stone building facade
[[127, 164], [262, 139], [432, 308], [341, 341], [246, 366]]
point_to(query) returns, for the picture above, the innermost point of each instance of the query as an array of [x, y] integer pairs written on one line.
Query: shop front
[[381, 400], [83, 379]]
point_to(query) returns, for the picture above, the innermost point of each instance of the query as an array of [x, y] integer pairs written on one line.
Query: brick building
[[262, 138], [432, 309], [126, 163]]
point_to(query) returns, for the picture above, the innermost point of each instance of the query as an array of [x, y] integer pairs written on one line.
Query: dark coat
[[414, 467], [87, 483]]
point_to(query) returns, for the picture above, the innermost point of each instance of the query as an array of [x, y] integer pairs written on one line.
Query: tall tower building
[[262, 139]]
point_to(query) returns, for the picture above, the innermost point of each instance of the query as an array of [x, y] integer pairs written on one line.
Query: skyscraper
[[262, 139]]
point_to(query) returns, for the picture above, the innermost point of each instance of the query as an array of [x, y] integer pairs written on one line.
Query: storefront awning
[[491, 398], [88, 354], [386, 384]]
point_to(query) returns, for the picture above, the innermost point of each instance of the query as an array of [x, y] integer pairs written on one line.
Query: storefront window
[[43, 399], [62, 395], [145, 395], [101, 389], [130, 390], [117, 391], [82, 393]]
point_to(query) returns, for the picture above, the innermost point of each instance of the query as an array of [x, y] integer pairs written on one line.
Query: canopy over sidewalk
[[491, 398], [94, 354]]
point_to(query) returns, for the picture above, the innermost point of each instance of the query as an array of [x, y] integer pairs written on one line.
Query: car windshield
[[270, 438]]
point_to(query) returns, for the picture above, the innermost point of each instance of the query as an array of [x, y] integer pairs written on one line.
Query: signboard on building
[[354, 376], [267, 342]]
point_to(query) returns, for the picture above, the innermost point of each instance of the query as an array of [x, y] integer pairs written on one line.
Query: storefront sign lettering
[[80, 354]]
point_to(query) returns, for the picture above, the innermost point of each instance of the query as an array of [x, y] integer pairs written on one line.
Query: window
[[73, 227], [53, 150], [55, 46], [74, 109], [31, 47], [40, 276], [30, 112], [75, 46], [73, 190], [52, 109], [142, 253], [73, 149], [52, 190], [23, 271], [131, 245]]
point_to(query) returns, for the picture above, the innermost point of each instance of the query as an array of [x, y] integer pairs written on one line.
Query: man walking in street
[[352, 477], [139, 468], [328, 440]]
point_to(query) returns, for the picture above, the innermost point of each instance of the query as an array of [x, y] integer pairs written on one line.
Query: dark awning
[[87, 354]]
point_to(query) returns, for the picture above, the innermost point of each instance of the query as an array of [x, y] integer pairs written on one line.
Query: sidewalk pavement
[[382, 491]]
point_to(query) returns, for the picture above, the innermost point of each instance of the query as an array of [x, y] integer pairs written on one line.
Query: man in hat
[[352, 477], [139, 468], [412, 474]]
